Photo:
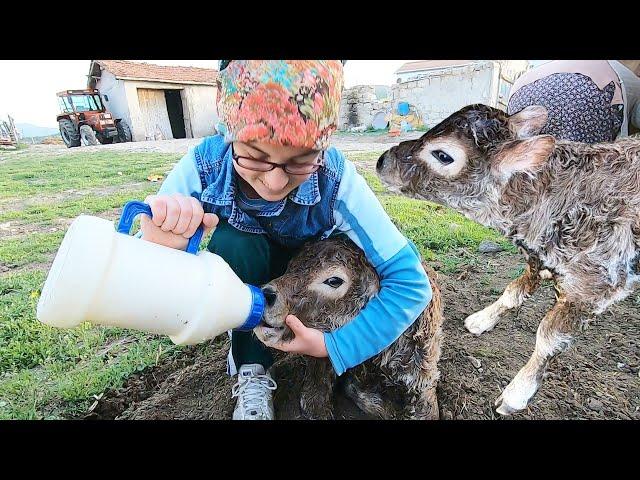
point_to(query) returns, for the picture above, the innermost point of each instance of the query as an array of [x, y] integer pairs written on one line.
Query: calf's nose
[[381, 161]]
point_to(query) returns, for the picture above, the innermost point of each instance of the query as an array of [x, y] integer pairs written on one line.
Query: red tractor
[[85, 121]]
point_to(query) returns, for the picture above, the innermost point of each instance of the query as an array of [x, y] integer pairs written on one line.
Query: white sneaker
[[254, 390]]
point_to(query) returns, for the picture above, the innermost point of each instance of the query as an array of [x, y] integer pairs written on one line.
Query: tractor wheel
[[87, 136], [69, 133], [124, 132]]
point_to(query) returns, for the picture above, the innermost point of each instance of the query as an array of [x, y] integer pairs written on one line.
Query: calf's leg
[[512, 297], [316, 399], [553, 337], [362, 390]]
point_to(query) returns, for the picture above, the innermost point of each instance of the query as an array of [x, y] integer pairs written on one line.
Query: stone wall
[[360, 104]]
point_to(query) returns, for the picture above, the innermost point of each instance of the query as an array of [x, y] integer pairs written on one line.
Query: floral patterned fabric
[[578, 110], [283, 102]]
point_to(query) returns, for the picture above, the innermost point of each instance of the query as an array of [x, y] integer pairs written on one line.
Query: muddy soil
[[597, 378]]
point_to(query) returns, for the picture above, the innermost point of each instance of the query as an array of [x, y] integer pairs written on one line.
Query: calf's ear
[[523, 155], [529, 121]]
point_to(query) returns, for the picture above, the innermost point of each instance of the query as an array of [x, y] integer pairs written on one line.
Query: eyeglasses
[[291, 168]]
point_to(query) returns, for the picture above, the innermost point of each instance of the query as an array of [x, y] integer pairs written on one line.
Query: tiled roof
[[159, 73]]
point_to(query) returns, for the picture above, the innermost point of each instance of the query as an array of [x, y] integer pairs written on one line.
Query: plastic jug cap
[[257, 309]]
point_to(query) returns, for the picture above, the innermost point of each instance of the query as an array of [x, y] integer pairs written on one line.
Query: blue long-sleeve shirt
[[405, 290]]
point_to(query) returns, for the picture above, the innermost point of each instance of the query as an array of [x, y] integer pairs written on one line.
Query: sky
[[28, 87]]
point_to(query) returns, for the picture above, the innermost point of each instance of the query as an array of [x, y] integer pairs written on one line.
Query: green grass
[[54, 373], [16, 252], [372, 132], [29, 175], [43, 367], [374, 183], [436, 229], [47, 372], [43, 213]]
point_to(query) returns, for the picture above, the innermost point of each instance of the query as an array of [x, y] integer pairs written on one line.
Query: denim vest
[[305, 214]]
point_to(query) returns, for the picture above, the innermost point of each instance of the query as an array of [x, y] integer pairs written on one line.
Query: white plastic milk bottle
[[108, 277]]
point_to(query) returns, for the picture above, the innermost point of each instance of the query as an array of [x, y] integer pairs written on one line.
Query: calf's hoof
[[504, 408], [514, 398], [479, 323]]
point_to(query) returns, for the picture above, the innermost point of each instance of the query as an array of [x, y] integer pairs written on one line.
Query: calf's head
[[326, 284], [469, 157]]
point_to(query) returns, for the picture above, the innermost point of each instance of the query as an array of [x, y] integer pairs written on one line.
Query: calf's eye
[[333, 282], [442, 157]]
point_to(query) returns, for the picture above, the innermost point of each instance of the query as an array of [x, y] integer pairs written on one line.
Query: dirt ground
[[598, 378], [345, 142]]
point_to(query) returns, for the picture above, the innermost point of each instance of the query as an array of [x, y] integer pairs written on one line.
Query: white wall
[[201, 103], [445, 91], [137, 125], [114, 89], [198, 102], [408, 76]]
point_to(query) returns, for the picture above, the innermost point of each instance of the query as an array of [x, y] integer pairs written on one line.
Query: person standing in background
[[587, 101]]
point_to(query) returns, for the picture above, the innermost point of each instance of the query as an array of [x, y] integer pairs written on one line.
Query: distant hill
[[28, 130]]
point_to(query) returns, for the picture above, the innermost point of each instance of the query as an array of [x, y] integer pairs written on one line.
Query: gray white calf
[[573, 208]]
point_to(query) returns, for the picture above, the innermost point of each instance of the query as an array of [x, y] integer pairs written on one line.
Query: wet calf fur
[[572, 208], [325, 286]]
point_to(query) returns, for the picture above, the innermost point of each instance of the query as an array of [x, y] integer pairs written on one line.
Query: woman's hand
[[175, 220], [307, 341]]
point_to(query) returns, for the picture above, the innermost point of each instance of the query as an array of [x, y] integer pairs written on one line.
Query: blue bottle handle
[[135, 208]]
